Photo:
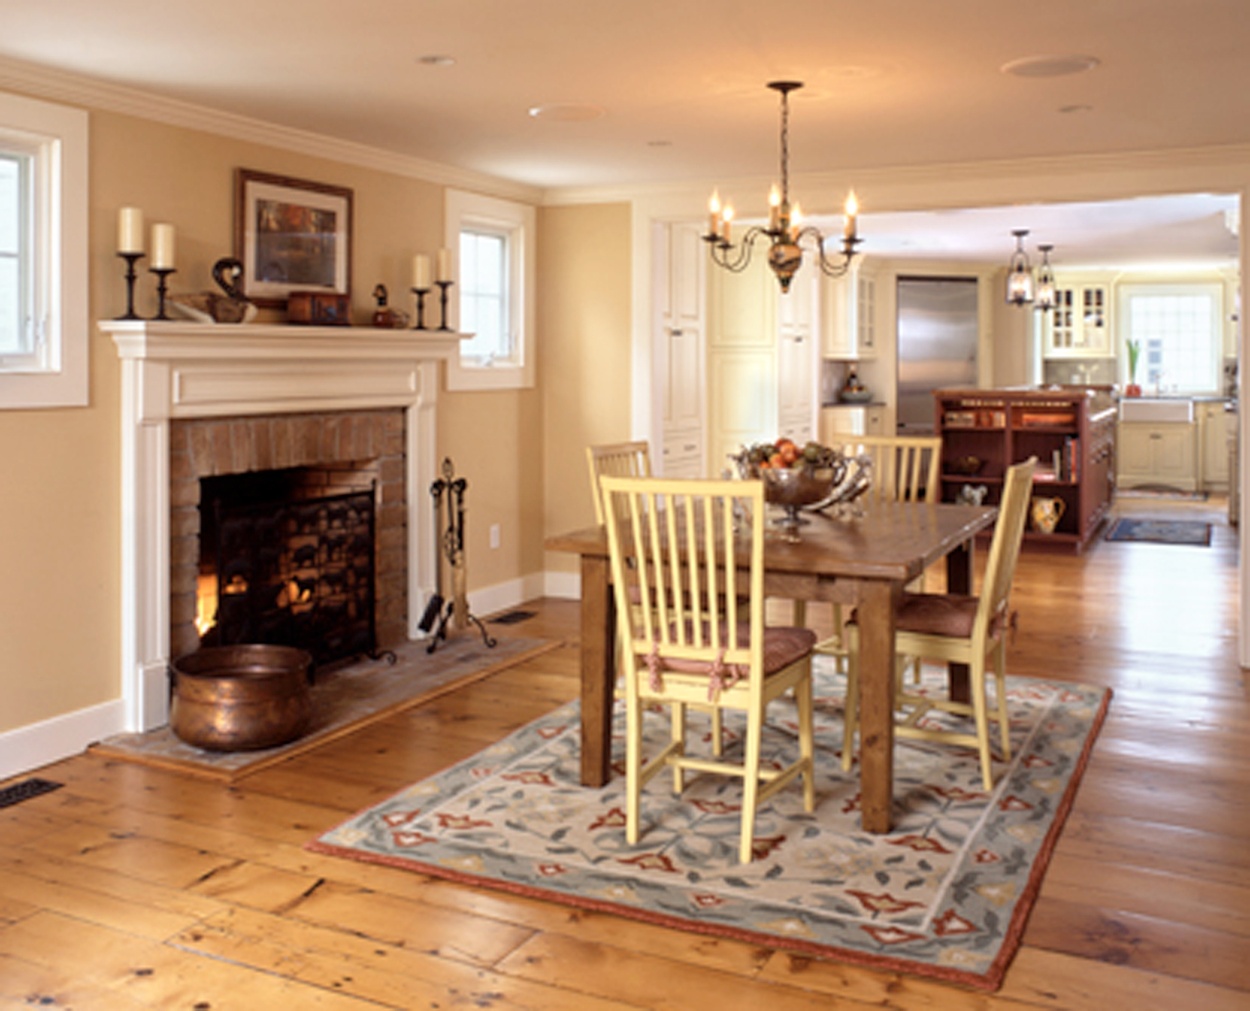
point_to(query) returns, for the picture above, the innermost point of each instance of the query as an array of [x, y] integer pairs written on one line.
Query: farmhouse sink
[[1150, 409]]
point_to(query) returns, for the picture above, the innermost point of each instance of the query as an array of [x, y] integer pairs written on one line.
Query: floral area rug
[[944, 895]]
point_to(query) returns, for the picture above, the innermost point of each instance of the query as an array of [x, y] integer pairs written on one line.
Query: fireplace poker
[[435, 604]]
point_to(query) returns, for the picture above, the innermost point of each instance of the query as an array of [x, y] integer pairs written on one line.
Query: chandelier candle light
[[784, 231]]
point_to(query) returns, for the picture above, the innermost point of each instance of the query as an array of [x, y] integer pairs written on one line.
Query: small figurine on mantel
[[209, 307], [384, 316]]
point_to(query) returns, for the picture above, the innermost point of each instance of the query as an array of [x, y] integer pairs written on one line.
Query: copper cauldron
[[240, 698]]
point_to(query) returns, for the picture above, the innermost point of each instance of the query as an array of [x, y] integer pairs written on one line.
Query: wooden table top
[[891, 541]]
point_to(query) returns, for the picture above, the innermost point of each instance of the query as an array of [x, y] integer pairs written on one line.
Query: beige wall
[[59, 493], [584, 322]]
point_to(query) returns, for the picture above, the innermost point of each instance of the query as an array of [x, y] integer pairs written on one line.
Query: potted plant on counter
[[1134, 352]]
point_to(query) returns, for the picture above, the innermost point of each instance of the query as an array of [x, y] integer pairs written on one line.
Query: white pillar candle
[[130, 230], [421, 271], [444, 264], [162, 247]]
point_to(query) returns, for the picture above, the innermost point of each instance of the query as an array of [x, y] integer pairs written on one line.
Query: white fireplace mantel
[[174, 370]]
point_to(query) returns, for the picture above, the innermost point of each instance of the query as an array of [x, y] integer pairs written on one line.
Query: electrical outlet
[[494, 535]]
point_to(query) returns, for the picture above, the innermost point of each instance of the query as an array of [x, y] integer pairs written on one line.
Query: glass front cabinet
[[1079, 326]]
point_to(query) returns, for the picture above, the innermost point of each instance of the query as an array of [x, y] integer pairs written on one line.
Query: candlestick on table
[[420, 293], [131, 259], [442, 300]]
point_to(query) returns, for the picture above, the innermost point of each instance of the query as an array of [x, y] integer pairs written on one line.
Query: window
[[492, 243], [43, 254], [1179, 328]]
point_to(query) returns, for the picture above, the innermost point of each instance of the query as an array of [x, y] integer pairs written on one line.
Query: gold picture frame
[[291, 235]]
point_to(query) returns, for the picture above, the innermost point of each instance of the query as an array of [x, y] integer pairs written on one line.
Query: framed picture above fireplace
[[291, 235]]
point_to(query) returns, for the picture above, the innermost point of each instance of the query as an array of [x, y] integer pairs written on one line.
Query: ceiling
[[652, 92]]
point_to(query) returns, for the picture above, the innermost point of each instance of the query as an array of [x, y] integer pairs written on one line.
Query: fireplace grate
[[298, 573]]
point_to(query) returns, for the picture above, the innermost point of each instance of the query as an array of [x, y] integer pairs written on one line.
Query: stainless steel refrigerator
[[937, 345]]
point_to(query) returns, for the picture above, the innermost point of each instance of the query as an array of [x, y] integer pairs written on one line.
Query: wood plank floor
[[136, 888]]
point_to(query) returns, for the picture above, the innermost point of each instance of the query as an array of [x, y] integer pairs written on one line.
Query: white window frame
[[1212, 290], [517, 222], [56, 136]]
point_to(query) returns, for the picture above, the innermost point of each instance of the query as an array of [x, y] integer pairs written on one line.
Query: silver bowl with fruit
[[794, 477]]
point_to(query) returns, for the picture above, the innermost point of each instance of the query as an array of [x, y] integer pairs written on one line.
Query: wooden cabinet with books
[[1071, 431]]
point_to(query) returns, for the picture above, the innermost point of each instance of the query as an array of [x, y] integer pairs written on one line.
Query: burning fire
[[205, 603]]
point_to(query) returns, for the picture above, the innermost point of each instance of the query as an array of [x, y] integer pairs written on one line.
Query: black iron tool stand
[[454, 612]]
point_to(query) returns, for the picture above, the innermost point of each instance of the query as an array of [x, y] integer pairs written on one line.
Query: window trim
[[463, 210], [58, 136]]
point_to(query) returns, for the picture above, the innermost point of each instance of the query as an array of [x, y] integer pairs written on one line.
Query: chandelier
[[1022, 287], [1019, 272], [785, 231]]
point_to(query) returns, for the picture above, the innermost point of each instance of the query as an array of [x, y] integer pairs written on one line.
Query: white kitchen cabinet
[[1079, 326], [848, 315], [840, 420], [1157, 453], [742, 361], [679, 348], [1213, 439], [797, 363]]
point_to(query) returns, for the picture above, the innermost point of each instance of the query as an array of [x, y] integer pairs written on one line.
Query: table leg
[[598, 632], [959, 577], [876, 605]]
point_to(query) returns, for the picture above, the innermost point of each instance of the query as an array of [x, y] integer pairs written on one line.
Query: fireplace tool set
[[449, 549]]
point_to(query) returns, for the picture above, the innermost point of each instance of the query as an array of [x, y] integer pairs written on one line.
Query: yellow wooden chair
[[955, 628], [630, 459], [620, 459], [905, 468], [698, 635]]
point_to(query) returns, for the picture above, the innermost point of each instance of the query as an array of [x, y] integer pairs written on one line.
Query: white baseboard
[[502, 596], [566, 585], [39, 744]]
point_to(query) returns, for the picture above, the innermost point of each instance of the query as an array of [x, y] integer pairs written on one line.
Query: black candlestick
[[442, 301], [420, 293], [131, 259], [162, 274]]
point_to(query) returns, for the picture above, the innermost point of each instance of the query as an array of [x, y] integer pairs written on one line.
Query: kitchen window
[[492, 243], [1180, 331], [43, 254]]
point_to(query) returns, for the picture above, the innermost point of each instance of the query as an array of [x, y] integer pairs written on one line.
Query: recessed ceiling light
[[1049, 66], [437, 60], [565, 112]]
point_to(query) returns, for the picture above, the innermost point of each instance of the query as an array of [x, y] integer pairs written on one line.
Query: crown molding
[[915, 187], [75, 89]]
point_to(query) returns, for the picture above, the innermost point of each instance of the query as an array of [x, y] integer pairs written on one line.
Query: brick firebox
[[366, 444]]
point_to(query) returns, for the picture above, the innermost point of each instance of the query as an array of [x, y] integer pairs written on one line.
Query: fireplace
[[315, 512], [206, 401]]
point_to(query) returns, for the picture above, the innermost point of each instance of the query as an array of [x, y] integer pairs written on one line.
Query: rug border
[[989, 981], [103, 749]]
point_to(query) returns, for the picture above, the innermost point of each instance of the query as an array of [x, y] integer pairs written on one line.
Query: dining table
[[862, 559]]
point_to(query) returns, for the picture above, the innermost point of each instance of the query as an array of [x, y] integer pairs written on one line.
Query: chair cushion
[[945, 614], [783, 645]]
